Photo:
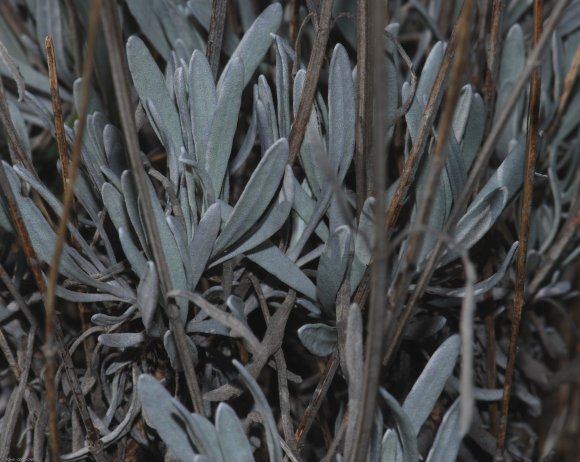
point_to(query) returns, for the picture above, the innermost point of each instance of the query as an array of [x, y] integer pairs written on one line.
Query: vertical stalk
[[531, 154], [376, 320]]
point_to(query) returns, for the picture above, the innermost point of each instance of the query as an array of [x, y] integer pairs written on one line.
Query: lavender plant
[[226, 249]]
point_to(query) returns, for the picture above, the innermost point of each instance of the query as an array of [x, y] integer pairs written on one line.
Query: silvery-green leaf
[[511, 65], [483, 286], [179, 232], [84, 297], [426, 390], [473, 134], [256, 196], [238, 328], [462, 111], [159, 412], [332, 267], [282, 88], [273, 220], [150, 26], [131, 206], [136, 259], [114, 204], [121, 340], [318, 339], [389, 446], [492, 199], [312, 147], [305, 206], [236, 306], [201, 246], [424, 85], [274, 451], [20, 127], [56, 206], [150, 85], [266, 114], [180, 89], [202, 102], [100, 319], [276, 263], [256, 41], [406, 429], [448, 439], [424, 327], [171, 350], [363, 243], [170, 248], [210, 326], [341, 112], [147, 293], [224, 123], [232, 438]]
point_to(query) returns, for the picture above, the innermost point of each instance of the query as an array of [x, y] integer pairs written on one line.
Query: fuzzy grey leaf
[[121, 340], [171, 350], [276, 263], [147, 293], [448, 439], [341, 112], [233, 441], [319, 339], [256, 196], [202, 244], [150, 85], [224, 123], [256, 41], [100, 319], [354, 369], [159, 412], [426, 390], [332, 268], [273, 220], [272, 436], [149, 24], [202, 102], [136, 259], [405, 427], [282, 88]]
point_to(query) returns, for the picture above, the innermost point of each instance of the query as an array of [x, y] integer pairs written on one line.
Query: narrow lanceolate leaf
[[405, 427], [426, 390], [273, 220], [354, 367], [332, 267], [231, 435], [150, 85], [274, 451], [170, 249], [319, 339], [224, 123], [256, 41], [491, 201], [256, 196], [121, 340], [201, 245], [341, 112], [276, 263], [147, 293], [363, 243], [448, 439], [159, 412], [202, 102]]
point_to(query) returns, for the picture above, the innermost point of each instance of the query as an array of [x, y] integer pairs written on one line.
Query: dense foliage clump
[[320, 230]]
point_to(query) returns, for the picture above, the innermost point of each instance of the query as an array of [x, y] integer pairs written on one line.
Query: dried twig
[[492, 58], [52, 329], [437, 162], [216, 34], [531, 154], [311, 81], [375, 325]]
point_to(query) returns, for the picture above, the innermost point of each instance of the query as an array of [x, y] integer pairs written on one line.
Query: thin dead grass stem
[[526, 205]]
